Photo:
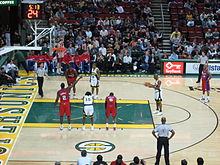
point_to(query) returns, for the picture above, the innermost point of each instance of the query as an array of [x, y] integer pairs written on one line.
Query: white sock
[[61, 125], [115, 125], [106, 124], [69, 125], [203, 96]]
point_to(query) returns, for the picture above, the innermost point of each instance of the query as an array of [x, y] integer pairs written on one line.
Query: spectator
[[100, 161], [136, 160], [12, 70], [203, 19], [188, 6], [145, 62], [102, 50], [208, 34], [215, 34], [175, 42], [5, 79], [175, 32], [152, 63], [120, 9], [19, 57], [84, 159], [118, 64], [59, 14], [88, 33], [200, 161], [173, 56], [118, 161], [183, 162], [211, 23], [127, 63], [189, 19]]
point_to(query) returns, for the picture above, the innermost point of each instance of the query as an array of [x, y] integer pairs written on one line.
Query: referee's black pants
[[40, 81], [200, 72], [162, 142]]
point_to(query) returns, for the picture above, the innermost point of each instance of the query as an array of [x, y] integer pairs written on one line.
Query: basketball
[[147, 84]]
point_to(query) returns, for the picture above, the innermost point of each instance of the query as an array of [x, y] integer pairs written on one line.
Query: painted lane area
[[15, 104], [130, 114]]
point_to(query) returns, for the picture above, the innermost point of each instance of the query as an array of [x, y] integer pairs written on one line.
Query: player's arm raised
[[74, 83]]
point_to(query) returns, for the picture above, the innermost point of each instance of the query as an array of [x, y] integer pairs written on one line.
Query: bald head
[[156, 76], [163, 120]]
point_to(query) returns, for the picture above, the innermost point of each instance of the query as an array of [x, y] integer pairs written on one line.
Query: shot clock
[[33, 11]]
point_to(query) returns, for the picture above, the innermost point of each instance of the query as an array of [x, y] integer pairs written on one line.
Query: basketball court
[[38, 140]]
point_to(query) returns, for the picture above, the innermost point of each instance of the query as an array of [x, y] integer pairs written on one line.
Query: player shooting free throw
[[63, 95]]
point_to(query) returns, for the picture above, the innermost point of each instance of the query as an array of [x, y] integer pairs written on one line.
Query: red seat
[[174, 17], [191, 29], [173, 11], [198, 29], [184, 29]]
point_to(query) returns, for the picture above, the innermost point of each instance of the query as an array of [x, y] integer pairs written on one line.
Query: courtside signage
[[8, 2], [193, 68], [15, 104], [173, 67]]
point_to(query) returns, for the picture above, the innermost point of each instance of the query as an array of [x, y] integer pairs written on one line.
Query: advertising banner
[[193, 68], [173, 67]]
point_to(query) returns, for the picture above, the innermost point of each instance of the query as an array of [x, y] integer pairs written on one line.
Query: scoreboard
[[33, 11]]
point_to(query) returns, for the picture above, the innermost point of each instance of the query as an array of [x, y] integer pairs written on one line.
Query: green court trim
[[54, 125]]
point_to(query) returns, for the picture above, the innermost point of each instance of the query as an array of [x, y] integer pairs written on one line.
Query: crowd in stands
[[197, 28], [85, 159], [117, 36]]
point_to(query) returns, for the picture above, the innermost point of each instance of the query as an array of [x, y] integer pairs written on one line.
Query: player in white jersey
[[88, 109], [157, 95], [94, 80]]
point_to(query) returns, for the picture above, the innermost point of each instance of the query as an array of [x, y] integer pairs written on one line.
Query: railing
[[162, 16]]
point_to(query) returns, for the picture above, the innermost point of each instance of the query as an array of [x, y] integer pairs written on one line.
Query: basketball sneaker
[[74, 96], [114, 128], [69, 127], [92, 128], [106, 128], [207, 100], [61, 127], [159, 113], [83, 128], [155, 112], [202, 98]]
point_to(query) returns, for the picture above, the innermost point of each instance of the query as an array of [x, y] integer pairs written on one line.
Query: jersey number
[[64, 97]]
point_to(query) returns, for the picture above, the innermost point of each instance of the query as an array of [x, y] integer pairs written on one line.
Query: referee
[[203, 59], [163, 140], [41, 72]]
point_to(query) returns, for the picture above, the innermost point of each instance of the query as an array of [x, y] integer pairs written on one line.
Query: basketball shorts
[[94, 82], [71, 79], [205, 86], [110, 111], [65, 109], [158, 96], [88, 110]]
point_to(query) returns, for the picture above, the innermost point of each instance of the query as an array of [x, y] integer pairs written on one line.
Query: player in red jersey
[[206, 76], [111, 108], [63, 95], [71, 75]]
